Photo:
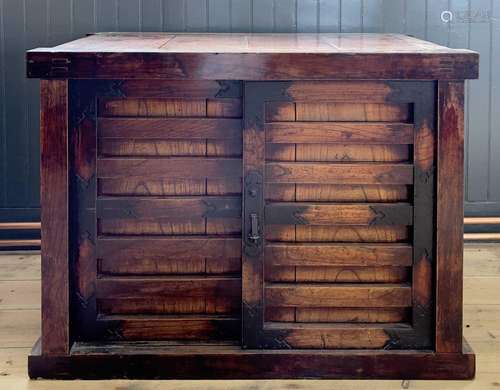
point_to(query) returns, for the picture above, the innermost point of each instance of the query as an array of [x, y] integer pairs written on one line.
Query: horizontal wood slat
[[355, 152], [117, 287], [339, 132], [331, 295], [171, 305], [321, 173], [337, 274], [137, 186], [160, 108], [180, 88], [336, 314], [20, 243], [170, 266], [169, 128], [169, 255], [351, 112], [336, 193], [137, 249], [338, 214], [20, 226], [165, 227], [178, 208], [174, 167], [340, 91], [146, 328], [338, 254], [338, 336], [338, 152], [337, 233]]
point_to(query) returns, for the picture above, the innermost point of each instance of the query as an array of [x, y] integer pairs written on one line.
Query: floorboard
[[20, 324]]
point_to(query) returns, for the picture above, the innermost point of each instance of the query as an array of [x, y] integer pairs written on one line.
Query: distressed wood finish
[[424, 101], [251, 57], [337, 296], [319, 173], [169, 128], [338, 254], [210, 198], [336, 132], [290, 127], [173, 168], [84, 95], [94, 361], [55, 217], [449, 221], [252, 269], [125, 283], [333, 214], [182, 208]]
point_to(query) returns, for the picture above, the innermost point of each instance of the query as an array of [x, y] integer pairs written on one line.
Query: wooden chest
[[251, 206]]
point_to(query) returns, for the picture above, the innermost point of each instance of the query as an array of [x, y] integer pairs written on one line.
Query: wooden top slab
[[252, 57], [249, 43]]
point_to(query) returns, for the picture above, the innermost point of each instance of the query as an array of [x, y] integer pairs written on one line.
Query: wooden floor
[[20, 327]]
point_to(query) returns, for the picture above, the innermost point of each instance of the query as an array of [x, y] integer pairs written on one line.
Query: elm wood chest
[[251, 206]]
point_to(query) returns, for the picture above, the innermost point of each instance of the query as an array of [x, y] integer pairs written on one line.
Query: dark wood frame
[[231, 362], [449, 221], [55, 217], [253, 66], [422, 96]]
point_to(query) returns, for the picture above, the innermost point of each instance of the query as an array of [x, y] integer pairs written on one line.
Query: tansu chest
[[267, 207]]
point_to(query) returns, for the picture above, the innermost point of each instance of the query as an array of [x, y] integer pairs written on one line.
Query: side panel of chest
[[156, 197]]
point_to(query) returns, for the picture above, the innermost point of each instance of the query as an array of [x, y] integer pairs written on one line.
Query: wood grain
[[137, 287], [450, 217], [179, 89], [169, 128], [171, 208], [151, 328], [133, 249], [337, 274], [338, 254], [55, 220], [272, 58], [338, 336], [339, 314], [172, 168], [321, 173], [337, 193], [335, 132], [178, 305], [297, 213], [352, 152], [356, 111], [331, 295]]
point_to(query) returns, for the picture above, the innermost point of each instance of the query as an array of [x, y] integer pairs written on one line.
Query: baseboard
[[156, 360], [19, 235]]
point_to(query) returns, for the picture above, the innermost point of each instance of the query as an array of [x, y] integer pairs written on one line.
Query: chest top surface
[[252, 57]]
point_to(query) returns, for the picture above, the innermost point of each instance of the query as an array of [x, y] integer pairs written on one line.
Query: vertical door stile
[[424, 219], [253, 204], [254, 154]]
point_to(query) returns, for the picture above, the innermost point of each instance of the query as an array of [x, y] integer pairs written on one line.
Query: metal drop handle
[[254, 228]]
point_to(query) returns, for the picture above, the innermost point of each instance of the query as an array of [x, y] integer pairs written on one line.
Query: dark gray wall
[[25, 24]]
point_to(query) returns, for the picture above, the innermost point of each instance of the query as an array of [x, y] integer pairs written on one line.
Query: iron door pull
[[254, 228]]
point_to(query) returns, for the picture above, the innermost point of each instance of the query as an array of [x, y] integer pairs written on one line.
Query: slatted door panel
[[164, 259], [339, 185]]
